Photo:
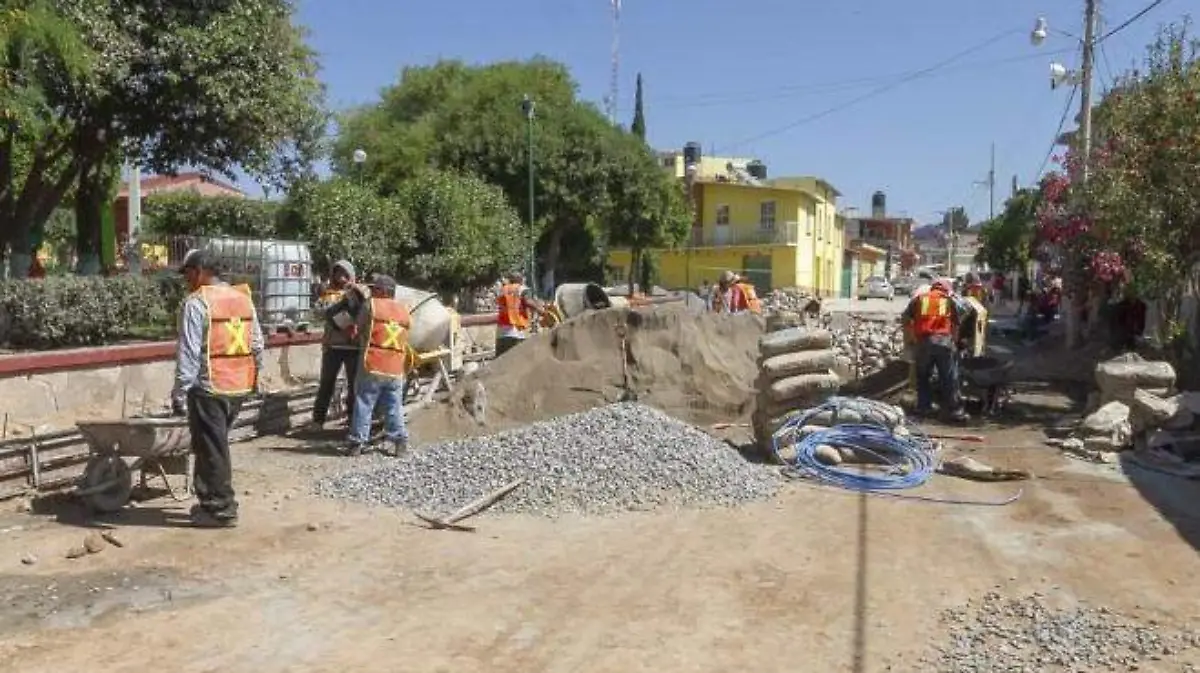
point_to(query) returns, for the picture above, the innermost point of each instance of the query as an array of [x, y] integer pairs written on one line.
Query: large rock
[[1121, 376], [1108, 428], [1149, 411]]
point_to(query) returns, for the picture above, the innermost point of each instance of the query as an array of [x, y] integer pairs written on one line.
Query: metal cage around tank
[[279, 272]]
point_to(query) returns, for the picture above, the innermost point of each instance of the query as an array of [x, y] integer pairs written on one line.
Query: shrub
[[83, 311]]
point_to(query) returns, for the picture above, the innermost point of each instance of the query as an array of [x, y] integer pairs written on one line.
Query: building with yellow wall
[[781, 233]]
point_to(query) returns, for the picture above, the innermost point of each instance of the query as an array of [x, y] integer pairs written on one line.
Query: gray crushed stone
[[1028, 634], [614, 458]]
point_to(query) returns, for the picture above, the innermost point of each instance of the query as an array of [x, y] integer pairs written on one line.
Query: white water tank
[[278, 272]]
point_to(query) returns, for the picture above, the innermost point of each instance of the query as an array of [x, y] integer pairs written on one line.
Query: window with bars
[[722, 215], [766, 216]]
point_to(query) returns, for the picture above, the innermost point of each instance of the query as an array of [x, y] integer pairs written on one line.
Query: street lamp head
[[1040, 30], [527, 106], [360, 156]]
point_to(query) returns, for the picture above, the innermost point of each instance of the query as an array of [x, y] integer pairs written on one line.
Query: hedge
[[64, 311]]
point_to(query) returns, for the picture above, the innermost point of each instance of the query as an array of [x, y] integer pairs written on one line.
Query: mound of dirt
[[699, 368]]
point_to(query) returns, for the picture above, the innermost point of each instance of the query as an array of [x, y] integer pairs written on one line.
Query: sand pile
[[698, 368]]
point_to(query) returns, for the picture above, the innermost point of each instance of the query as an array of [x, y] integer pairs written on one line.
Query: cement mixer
[[432, 321], [575, 299]]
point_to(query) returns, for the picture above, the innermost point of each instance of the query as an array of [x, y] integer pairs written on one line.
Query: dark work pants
[[209, 420], [506, 343], [333, 360], [937, 355]]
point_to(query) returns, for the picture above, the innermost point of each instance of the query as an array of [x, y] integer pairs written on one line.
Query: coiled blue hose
[[910, 459]]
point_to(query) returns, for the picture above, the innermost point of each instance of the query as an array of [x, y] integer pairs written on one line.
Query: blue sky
[[747, 78]]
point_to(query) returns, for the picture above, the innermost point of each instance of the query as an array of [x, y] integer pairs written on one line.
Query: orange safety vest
[[976, 291], [386, 352], [743, 298], [231, 367], [933, 315], [511, 311]]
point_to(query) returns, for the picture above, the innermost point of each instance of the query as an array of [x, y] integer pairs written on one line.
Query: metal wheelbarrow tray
[[990, 377], [157, 445]]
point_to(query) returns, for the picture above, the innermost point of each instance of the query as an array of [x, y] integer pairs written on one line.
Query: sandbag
[[803, 386], [803, 362], [793, 340]]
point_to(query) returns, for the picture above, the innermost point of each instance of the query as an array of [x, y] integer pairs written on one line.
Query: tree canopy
[[215, 86], [468, 120], [1005, 243]]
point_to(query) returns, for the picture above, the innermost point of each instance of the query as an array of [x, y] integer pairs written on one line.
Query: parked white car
[[876, 287]]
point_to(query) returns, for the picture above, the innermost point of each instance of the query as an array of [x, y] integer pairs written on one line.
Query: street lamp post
[[690, 172], [360, 160], [527, 107]]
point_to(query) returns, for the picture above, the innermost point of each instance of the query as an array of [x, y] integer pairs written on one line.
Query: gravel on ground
[[624, 456], [1031, 634]]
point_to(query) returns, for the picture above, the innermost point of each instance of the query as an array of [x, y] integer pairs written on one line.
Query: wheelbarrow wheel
[[108, 483]]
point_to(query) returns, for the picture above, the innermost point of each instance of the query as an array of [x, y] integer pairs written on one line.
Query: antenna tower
[[611, 99]]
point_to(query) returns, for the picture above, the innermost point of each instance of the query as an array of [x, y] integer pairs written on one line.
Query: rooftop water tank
[[757, 170], [691, 153], [879, 205]]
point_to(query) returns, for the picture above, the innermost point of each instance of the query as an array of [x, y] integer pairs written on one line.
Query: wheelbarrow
[[157, 446], [987, 379]]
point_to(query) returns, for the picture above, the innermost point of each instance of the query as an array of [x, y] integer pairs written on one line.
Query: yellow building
[[781, 233]]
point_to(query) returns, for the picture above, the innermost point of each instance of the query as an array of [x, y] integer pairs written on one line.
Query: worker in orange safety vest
[[218, 360], [382, 330], [339, 348], [734, 295], [932, 318], [515, 309], [975, 289]]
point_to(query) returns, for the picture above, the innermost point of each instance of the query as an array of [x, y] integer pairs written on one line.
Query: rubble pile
[[868, 347], [1138, 409], [787, 299]]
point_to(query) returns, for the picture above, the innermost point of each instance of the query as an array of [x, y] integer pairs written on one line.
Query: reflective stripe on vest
[[231, 367], [933, 315], [386, 352], [510, 310]]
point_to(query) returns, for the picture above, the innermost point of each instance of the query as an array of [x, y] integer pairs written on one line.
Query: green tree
[[1005, 243], [468, 120], [638, 127], [212, 86], [466, 233], [342, 219], [956, 219], [188, 213]]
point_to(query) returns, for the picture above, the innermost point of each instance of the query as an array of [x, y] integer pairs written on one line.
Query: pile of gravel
[[617, 457], [1026, 634]]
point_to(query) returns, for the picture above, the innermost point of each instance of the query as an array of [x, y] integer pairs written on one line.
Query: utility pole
[[992, 186], [1085, 85], [527, 106], [1015, 187]]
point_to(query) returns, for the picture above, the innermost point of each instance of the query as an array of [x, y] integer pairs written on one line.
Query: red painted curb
[[46, 362]]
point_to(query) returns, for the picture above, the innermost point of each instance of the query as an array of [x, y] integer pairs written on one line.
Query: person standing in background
[[515, 310], [339, 345], [218, 360]]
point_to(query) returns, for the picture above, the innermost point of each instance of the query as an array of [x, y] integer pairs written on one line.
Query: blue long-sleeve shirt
[[191, 357]]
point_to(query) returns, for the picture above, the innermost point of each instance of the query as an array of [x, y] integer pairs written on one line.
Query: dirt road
[[817, 580]]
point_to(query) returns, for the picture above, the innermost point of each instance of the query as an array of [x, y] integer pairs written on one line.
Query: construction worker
[[217, 364], [383, 333], [974, 288], [515, 307], [339, 347], [932, 319], [734, 295]]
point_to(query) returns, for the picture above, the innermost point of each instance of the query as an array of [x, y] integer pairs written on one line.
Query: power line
[[789, 91], [1058, 132], [874, 92], [1125, 24]]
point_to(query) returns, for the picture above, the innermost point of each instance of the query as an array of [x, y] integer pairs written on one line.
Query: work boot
[[958, 416], [395, 447], [203, 518], [314, 427], [356, 449]]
